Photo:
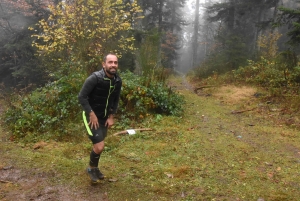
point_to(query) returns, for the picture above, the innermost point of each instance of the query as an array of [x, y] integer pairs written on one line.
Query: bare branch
[[136, 129]]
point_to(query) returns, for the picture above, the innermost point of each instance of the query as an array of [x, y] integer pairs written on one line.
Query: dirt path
[[19, 184]]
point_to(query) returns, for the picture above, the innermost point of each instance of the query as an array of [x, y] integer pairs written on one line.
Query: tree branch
[[3, 181], [242, 111], [136, 129]]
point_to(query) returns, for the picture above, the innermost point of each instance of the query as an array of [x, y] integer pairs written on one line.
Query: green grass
[[207, 154]]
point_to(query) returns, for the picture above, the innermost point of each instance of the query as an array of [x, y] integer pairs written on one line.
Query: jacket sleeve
[[116, 101], [86, 89]]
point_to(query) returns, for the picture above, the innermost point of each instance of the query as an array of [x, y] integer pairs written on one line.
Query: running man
[[99, 98]]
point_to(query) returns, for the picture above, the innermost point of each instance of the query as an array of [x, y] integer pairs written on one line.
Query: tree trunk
[[231, 16], [274, 29], [257, 32], [195, 37], [160, 10]]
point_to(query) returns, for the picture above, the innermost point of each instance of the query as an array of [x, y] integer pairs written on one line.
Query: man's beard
[[111, 73]]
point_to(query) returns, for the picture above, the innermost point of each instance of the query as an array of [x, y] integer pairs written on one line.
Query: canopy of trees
[[82, 31], [292, 18]]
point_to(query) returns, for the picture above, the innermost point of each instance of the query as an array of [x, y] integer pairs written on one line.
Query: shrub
[[138, 100], [267, 74], [46, 109], [52, 109], [166, 100], [278, 78]]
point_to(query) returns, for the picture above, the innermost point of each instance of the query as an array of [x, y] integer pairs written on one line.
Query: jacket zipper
[[110, 87]]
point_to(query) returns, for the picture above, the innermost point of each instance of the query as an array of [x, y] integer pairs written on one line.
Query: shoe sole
[[92, 181], [95, 182]]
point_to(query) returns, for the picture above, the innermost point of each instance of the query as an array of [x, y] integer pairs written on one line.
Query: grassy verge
[[208, 154]]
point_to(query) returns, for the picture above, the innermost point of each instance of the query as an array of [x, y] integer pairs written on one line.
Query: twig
[[3, 181], [136, 129], [241, 111], [202, 87]]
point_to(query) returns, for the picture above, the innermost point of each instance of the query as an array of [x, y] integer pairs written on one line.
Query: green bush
[[295, 75], [268, 74], [50, 110], [138, 100], [278, 78], [166, 101], [46, 109]]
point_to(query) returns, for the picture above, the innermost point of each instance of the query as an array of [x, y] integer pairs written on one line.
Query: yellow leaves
[[268, 44], [53, 44], [126, 25], [43, 23], [118, 2], [93, 23]]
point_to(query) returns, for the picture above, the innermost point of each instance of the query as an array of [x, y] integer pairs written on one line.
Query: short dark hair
[[104, 58]]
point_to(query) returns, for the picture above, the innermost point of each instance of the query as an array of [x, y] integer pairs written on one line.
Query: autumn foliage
[[23, 7], [84, 30]]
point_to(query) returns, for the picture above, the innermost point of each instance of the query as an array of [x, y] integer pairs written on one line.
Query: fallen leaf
[[39, 145], [8, 167], [270, 175], [190, 129], [169, 175]]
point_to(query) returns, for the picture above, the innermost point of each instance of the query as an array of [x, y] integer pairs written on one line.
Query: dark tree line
[[20, 66], [224, 35], [235, 28]]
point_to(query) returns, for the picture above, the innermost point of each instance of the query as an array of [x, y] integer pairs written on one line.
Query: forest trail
[[17, 183], [20, 184]]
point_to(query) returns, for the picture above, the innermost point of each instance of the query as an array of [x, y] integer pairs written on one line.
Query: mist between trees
[[40, 38]]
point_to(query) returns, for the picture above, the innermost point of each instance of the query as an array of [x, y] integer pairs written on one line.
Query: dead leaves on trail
[[233, 95], [39, 145]]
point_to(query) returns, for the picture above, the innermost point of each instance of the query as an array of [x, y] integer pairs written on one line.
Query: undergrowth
[[140, 99], [53, 111], [278, 82], [206, 154]]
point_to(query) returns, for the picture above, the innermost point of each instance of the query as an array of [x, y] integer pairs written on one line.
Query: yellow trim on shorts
[[86, 124]]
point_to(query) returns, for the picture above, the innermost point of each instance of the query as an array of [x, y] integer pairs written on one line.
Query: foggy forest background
[[215, 84], [49, 47], [215, 36]]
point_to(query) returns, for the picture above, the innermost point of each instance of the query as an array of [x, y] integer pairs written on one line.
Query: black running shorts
[[95, 135]]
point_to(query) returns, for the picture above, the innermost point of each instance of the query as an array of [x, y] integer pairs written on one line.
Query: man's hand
[[110, 121], [93, 121]]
